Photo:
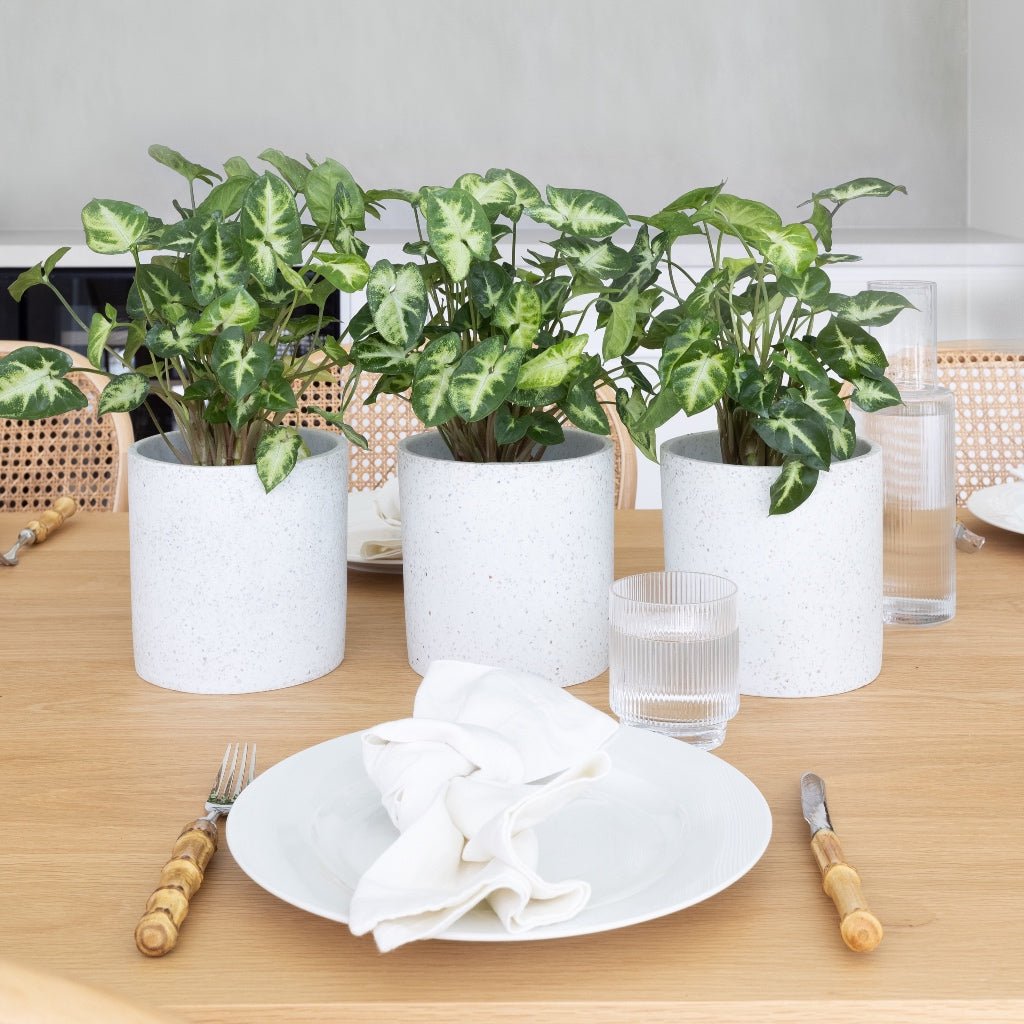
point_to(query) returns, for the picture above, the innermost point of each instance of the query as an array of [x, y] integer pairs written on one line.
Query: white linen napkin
[[375, 523], [488, 754]]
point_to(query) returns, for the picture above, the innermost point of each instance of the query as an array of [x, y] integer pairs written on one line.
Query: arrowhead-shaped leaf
[[850, 350], [166, 342], [288, 167], [791, 250], [870, 308], [699, 374], [618, 331], [239, 367], [397, 299], [527, 195], [123, 393], [858, 188], [801, 363], [578, 211], [225, 199], [32, 384], [874, 393], [742, 218], [583, 408], [793, 429], [432, 380], [163, 292], [488, 282], [113, 227], [518, 315], [99, 331], [276, 455], [810, 287], [270, 227], [186, 168], [792, 487], [458, 229], [483, 379], [549, 368], [333, 196], [696, 198], [348, 273], [376, 356], [25, 280], [236, 308], [218, 264], [753, 388], [600, 258], [496, 195]]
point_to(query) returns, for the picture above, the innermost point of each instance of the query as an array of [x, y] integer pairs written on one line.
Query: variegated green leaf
[[432, 380], [791, 249], [236, 308], [181, 237], [820, 398], [509, 429], [859, 188], [543, 428], [870, 308], [333, 196], [376, 356], [483, 379], [578, 211], [495, 196], [166, 342], [699, 374], [810, 287], [742, 218], [164, 293], [583, 408], [224, 199], [850, 350], [665, 405], [113, 227], [218, 264], [99, 331], [842, 437], [397, 299], [793, 429], [32, 384], [672, 224], [600, 258], [123, 393], [276, 455], [337, 419], [618, 331], [243, 410], [488, 282], [186, 168], [803, 364], [552, 292], [552, 366], [348, 273], [874, 393], [836, 257], [239, 167], [527, 195], [240, 368], [270, 227], [792, 487], [518, 315], [458, 229], [288, 167], [643, 263]]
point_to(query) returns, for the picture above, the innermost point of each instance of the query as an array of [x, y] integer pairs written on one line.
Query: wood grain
[[924, 768]]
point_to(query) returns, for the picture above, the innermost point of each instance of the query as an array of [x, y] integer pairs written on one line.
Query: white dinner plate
[[669, 826], [1001, 505]]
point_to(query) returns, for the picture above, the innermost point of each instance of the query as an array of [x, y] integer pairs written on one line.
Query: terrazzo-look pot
[[235, 590], [810, 581], [506, 563]]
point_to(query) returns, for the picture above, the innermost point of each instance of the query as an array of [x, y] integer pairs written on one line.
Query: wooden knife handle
[[861, 930], [166, 909], [51, 519]]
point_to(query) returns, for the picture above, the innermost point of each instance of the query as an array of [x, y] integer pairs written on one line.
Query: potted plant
[[784, 499], [237, 521], [507, 515]]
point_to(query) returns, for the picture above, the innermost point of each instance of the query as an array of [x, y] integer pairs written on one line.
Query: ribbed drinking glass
[[674, 654]]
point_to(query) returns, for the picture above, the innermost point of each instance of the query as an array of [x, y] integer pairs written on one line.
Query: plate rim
[[998, 522], [566, 929]]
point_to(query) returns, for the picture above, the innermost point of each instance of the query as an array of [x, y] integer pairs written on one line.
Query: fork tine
[[220, 775], [252, 766], [240, 781], [226, 783]]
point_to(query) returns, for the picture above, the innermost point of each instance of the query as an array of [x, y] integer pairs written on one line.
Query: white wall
[[995, 98], [641, 99]]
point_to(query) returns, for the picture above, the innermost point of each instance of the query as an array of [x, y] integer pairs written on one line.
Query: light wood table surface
[[100, 770]]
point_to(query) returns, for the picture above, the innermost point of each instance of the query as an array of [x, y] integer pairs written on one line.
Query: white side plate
[[1001, 505]]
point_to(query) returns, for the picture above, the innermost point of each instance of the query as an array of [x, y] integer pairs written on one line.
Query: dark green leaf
[[239, 367], [432, 380], [793, 429], [483, 379], [583, 408], [290, 169], [792, 487], [874, 393], [32, 384]]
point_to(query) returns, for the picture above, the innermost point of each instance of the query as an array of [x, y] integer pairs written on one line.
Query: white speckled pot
[[235, 590], [508, 563], [810, 582]]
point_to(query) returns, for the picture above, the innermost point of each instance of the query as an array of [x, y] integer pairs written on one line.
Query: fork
[[167, 907]]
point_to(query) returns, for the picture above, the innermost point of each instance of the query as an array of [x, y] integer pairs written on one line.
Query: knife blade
[[860, 929]]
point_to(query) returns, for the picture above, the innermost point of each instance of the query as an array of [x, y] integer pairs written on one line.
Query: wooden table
[[99, 771]]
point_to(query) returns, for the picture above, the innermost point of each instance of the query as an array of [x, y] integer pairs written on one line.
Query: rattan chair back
[[989, 389], [78, 453]]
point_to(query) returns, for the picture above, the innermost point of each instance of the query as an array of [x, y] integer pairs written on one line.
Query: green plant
[[763, 338], [220, 307], [487, 346]]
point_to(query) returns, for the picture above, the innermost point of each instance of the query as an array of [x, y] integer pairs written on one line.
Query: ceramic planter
[[235, 590], [509, 564], [810, 582]]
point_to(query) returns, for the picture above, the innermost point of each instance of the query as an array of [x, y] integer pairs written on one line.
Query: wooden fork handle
[[166, 909], [51, 519]]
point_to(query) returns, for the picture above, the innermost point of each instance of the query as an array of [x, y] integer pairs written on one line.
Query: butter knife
[[861, 930]]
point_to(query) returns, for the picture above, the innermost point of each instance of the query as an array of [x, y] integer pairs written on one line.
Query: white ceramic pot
[[235, 590], [507, 563], [810, 581]]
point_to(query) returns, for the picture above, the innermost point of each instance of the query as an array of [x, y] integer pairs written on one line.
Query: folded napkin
[[375, 524], [488, 754]]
